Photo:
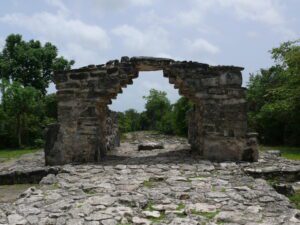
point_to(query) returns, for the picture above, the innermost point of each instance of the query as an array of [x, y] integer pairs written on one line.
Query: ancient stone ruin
[[87, 129]]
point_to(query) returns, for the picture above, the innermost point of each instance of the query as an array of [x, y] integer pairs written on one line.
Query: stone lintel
[[144, 63]]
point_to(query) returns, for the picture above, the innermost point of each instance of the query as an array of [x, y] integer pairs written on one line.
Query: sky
[[217, 32]]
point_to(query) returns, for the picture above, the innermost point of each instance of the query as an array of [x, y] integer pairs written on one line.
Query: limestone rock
[[151, 214], [49, 179], [140, 221], [150, 146], [16, 219]]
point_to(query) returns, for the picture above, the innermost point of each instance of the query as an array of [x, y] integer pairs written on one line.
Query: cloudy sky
[[226, 32]]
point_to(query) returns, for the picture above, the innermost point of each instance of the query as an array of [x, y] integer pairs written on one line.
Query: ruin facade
[[87, 129]]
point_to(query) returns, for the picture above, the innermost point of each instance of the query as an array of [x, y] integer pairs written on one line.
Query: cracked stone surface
[[163, 186]]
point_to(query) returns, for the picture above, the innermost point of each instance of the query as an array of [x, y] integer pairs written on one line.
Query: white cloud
[[252, 34], [2, 43], [196, 13], [151, 40], [152, 17], [58, 4], [141, 2], [109, 5], [201, 45], [266, 11], [69, 34]]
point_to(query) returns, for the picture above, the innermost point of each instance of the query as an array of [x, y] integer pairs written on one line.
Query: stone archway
[[87, 129]]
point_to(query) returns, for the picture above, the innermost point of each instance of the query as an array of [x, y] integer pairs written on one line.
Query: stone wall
[[219, 126], [112, 135]]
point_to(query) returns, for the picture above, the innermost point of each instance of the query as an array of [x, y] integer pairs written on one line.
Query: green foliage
[[129, 120], [148, 184], [26, 69], [30, 63], [19, 104], [296, 199], [180, 119], [165, 125], [157, 106], [24, 113], [159, 115], [50, 102], [208, 215], [274, 97], [180, 206]]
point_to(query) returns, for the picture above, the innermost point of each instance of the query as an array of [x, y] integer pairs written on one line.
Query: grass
[[180, 206], [286, 151], [8, 154], [149, 207], [273, 181], [159, 219], [296, 199], [208, 215], [148, 184]]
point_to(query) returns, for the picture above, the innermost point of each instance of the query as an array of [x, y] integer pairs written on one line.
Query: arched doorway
[[218, 123]]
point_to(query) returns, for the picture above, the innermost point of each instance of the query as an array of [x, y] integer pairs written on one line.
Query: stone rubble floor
[[165, 186]]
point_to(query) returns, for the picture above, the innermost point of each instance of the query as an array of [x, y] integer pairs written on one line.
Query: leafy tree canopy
[[274, 97], [30, 63]]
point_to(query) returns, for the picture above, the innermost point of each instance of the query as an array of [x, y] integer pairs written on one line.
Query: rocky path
[[165, 186]]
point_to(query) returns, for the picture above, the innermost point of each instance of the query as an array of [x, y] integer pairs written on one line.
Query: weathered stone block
[[60, 77], [52, 154], [230, 78], [210, 82], [79, 76]]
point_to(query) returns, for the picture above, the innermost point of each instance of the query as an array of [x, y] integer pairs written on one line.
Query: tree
[[165, 125], [50, 104], [19, 104], [274, 97], [30, 63], [157, 106], [180, 117], [129, 120]]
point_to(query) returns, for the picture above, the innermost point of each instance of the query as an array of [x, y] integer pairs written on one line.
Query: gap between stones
[[27, 177]]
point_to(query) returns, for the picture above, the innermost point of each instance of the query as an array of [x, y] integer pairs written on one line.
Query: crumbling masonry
[[87, 129]]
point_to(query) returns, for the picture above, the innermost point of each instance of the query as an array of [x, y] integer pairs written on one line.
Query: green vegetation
[[149, 206], [148, 184], [296, 199], [160, 115], [208, 215], [273, 181], [26, 70], [286, 151], [274, 98], [180, 206], [15, 153], [30, 63]]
